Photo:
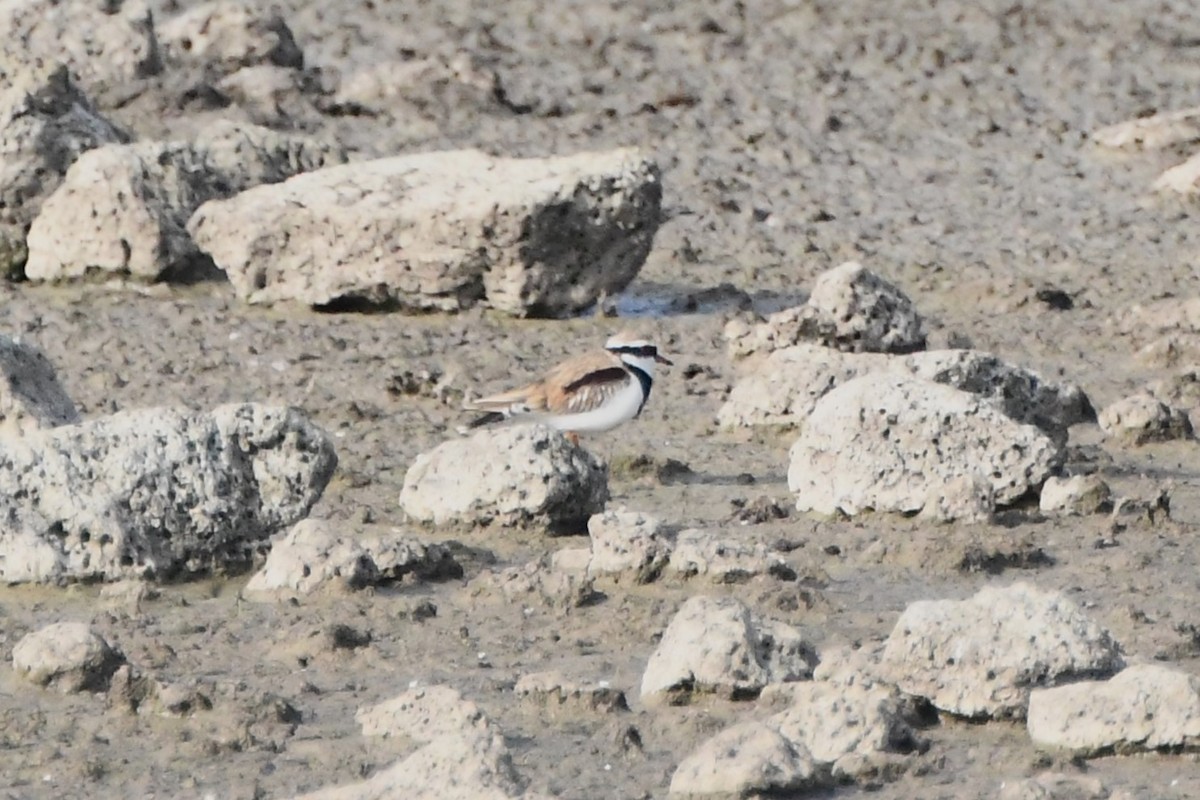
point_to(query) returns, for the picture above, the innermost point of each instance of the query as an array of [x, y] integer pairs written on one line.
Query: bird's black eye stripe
[[643, 351]]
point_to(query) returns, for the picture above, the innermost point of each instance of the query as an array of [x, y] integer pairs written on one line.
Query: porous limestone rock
[[124, 208], [1078, 495], [314, 553], [850, 308], [462, 757], [156, 491], [46, 122], [106, 50], [513, 475], [721, 559], [229, 34], [981, 657], [829, 734], [69, 656], [784, 387], [891, 443], [1142, 418], [31, 397], [627, 542], [442, 230], [1143, 707], [715, 644], [746, 759]]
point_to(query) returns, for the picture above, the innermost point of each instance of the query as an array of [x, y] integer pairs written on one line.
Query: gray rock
[[424, 713], [516, 475], [553, 689], [313, 553], [1143, 707], [228, 35], [532, 237], [46, 122], [784, 387], [155, 491], [748, 758], [123, 208], [891, 443], [106, 50], [31, 397], [721, 559], [627, 542], [535, 582], [1142, 418], [1180, 391], [1078, 495], [982, 656], [715, 644], [68, 656], [850, 308]]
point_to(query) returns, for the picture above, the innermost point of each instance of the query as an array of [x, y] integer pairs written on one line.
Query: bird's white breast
[[622, 406]]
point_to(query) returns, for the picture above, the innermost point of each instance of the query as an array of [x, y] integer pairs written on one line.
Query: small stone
[[723, 559], [627, 542], [68, 656], [715, 644], [749, 758], [554, 689], [1079, 495], [1142, 418], [31, 397]]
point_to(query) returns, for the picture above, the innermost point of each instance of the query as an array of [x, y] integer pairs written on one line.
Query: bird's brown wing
[[583, 383], [575, 385]]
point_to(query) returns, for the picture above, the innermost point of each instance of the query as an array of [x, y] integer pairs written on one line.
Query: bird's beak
[[663, 360]]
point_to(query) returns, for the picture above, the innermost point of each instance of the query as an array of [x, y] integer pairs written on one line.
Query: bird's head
[[635, 351]]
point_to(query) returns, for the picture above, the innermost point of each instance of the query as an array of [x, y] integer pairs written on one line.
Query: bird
[[591, 393]]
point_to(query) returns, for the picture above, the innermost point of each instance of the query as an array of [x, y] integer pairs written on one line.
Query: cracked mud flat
[[943, 146]]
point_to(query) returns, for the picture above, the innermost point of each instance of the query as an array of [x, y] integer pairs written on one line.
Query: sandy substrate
[[945, 145]]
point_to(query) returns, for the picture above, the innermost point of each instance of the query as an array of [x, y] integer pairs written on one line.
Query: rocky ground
[[947, 148]]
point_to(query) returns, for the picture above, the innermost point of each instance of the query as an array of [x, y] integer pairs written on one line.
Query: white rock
[[313, 553], [514, 475], [1142, 418], [964, 499], [1143, 707], [463, 756], [627, 542], [69, 656], [229, 34], [105, 50], [1182, 178], [851, 308], [1180, 391], [555, 689], [1078, 495], [746, 759], [889, 443], [535, 582], [830, 733], [981, 657], [1153, 132], [784, 387], [156, 491], [31, 397], [721, 559], [123, 208], [715, 644], [542, 237], [46, 122], [851, 728]]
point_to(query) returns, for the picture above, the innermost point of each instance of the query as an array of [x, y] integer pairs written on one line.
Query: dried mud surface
[[943, 144]]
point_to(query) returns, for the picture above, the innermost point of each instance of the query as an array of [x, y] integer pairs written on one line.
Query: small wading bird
[[591, 393]]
